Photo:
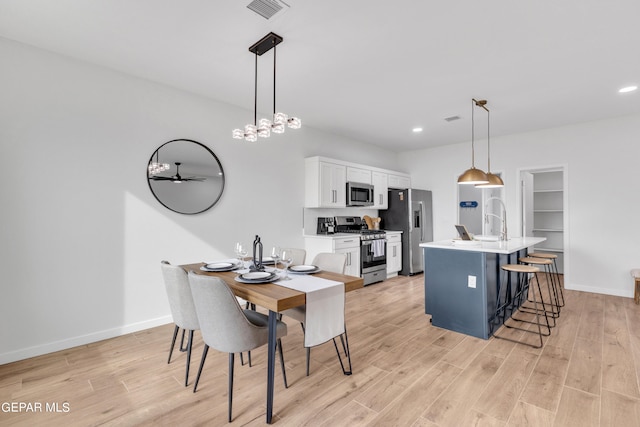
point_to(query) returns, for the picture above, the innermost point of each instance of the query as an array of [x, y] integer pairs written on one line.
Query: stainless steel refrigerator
[[410, 212]]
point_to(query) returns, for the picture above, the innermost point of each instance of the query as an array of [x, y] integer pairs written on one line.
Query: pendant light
[[473, 175], [265, 127], [494, 180]]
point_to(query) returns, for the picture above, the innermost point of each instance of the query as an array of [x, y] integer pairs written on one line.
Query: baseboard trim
[[26, 353], [596, 290]]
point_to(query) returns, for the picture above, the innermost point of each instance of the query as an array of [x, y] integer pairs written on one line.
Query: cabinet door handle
[[381, 199], [348, 258], [394, 251]]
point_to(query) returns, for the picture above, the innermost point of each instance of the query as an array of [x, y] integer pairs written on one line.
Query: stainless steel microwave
[[359, 194]]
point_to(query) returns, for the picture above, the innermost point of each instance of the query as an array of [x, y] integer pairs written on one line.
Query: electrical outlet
[[471, 281]]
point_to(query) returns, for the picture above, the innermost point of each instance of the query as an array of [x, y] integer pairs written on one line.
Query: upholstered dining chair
[[182, 308], [226, 327], [334, 262], [298, 256]]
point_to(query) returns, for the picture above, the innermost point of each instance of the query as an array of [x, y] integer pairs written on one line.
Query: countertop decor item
[[473, 175], [264, 127]]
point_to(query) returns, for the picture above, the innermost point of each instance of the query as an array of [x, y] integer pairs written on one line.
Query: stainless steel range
[[373, 248]]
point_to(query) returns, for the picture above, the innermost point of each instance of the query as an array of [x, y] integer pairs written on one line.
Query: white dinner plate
[[220, 266], [304, 269], [256, 275]]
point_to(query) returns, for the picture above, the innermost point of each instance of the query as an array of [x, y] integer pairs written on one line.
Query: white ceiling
[[366, 69]]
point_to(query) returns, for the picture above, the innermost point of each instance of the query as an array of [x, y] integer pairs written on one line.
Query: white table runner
[[324, 318]]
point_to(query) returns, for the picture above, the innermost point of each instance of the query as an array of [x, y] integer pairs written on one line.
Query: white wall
[[82, 235], [603, 185]]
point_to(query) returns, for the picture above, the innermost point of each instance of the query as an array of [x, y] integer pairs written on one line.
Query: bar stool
[[552, 257], [554, 303], [513, 302]]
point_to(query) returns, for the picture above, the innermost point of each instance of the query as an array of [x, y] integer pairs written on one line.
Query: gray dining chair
[[298, 256], [334, 262], [182, 308], [228, 328]]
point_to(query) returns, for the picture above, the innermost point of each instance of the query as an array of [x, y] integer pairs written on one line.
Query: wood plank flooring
[[406, 373]]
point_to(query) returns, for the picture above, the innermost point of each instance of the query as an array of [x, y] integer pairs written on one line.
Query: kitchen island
[[462, 278]]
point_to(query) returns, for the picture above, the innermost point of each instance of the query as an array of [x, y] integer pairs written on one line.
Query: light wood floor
[[406, 373]]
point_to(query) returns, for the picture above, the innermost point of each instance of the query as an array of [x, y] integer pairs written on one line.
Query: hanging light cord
[[255, 97], [488, 143], [473, 162], [274, 81]]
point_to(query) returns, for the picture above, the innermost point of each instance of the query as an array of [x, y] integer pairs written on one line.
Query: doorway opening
[[544, 210]]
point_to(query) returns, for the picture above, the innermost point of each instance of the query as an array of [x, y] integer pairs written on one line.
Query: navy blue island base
[[452, 299]]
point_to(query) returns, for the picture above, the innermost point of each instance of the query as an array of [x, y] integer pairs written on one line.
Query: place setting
[[222, 265], [303, 269]]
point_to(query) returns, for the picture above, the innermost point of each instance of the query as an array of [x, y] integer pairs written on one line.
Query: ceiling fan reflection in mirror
[[177, 178]]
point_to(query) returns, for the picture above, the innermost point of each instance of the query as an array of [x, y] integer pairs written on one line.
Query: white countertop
[[512, 245], [342, 235]]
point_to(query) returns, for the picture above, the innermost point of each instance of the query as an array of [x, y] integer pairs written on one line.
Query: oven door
[[373, 253]]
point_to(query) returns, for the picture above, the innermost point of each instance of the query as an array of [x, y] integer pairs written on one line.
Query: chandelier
[[155, 167], [265, 127]]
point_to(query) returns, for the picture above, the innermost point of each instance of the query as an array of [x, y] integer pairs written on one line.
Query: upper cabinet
[[358, 175], [325, 184], [399, 182], [326, 179], [380, 190]]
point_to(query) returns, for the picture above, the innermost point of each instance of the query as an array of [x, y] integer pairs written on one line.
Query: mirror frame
[[215, 158]]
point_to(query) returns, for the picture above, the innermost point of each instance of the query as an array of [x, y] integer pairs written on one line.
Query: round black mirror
[[185, 176]]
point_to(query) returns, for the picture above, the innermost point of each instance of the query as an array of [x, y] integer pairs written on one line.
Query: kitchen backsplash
[[310, 216]]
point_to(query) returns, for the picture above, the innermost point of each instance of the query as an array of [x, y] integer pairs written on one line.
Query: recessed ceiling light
[[628, 89], [417, 130]]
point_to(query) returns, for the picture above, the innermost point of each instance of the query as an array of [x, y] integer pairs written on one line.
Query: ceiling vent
[[452, 118], [268, 8]]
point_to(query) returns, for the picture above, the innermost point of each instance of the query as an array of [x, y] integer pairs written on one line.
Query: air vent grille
[[267, 8], [452, 118]]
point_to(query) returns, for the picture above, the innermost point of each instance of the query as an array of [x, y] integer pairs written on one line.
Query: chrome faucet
[[503, 218]]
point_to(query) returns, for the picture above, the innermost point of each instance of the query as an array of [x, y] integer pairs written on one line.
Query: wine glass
[[241, 252], [275, 254], [285, 259]]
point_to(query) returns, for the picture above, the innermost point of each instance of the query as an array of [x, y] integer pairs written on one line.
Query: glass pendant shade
[[473, 176], [277, 127], [238, 134], [250, 133], [264, 128], [280, 118], [294, 123]]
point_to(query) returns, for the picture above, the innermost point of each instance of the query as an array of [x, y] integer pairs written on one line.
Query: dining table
[[274, 298]]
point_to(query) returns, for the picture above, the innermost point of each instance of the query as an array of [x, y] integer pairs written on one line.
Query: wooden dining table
[[274, 298]]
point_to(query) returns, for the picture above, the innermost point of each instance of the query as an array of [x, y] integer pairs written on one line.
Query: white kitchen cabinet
[[394, 253], [380, 190], [325, 184], [399, 181], [358, 175], [348, 245]]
